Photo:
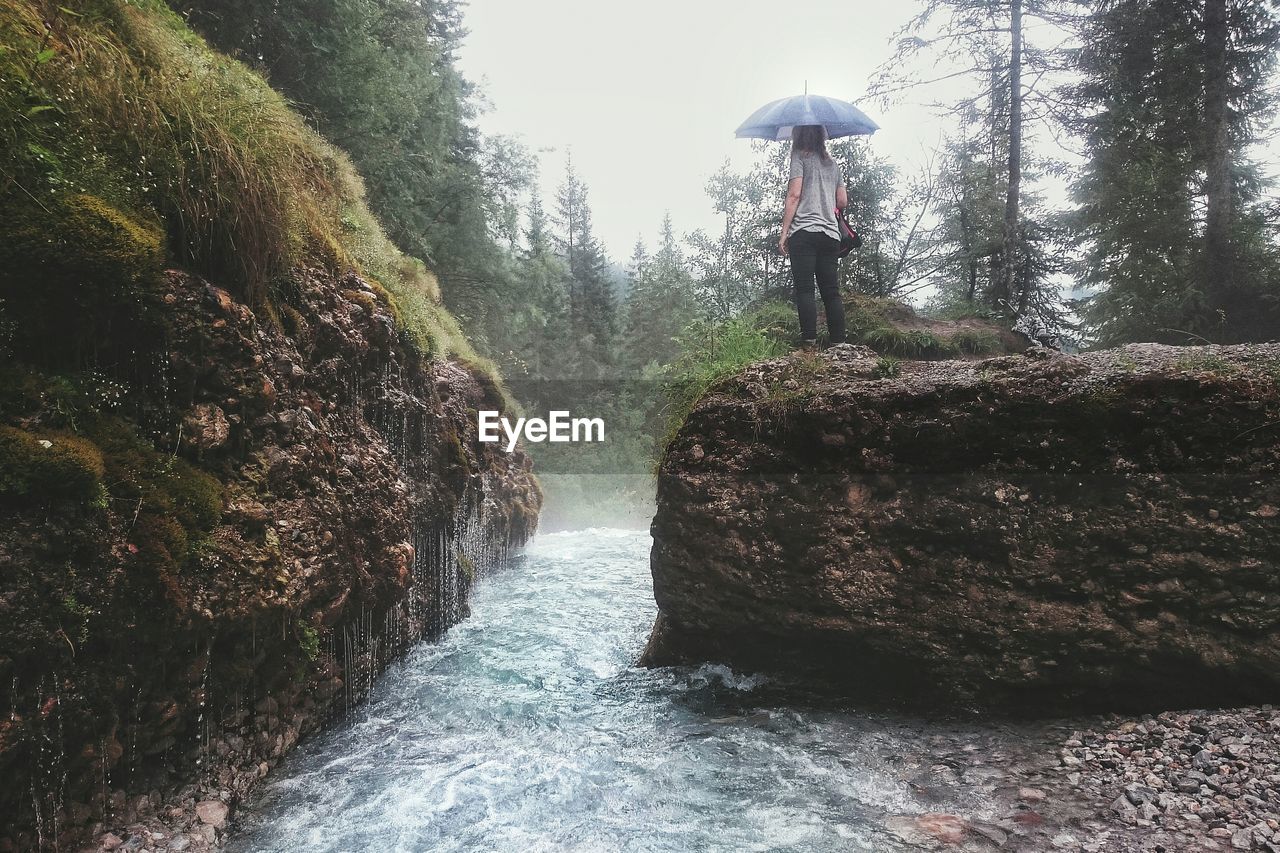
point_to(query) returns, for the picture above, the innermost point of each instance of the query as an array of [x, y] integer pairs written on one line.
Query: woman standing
[[810, 233]]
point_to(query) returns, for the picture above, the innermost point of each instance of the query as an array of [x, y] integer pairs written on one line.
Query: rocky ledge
[[215, 539], [1033, 533]]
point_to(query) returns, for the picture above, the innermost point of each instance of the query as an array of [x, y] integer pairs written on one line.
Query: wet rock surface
[[1028, 533], [159, 661], [1012, 769]]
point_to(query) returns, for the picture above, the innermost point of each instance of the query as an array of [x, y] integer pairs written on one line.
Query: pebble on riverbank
[[1195, 780]]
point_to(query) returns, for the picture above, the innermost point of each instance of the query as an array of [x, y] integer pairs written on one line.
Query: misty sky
[[647, 93]]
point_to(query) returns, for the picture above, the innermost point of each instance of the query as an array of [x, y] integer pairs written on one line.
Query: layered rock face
[[219, 539], [1035, 533]]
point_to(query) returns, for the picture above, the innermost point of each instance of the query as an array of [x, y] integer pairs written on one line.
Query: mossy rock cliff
[[1030, 533], [238, 451]]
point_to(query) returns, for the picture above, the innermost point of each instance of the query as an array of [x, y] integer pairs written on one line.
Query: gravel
[[1190, 780]]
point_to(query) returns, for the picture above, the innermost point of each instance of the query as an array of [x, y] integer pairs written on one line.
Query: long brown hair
[[810, 138]]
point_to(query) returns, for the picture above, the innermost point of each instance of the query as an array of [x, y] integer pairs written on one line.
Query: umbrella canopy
[[775, 120]]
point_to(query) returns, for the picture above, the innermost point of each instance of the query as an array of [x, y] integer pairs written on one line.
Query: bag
[[849, 239]]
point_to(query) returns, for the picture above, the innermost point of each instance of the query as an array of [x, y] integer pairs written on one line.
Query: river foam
[[528, 728]]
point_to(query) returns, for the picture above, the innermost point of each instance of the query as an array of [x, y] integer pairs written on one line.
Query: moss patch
[[495, 394], [48, 465], [160, 485], [85, 236], [74, 273], [167, 504]]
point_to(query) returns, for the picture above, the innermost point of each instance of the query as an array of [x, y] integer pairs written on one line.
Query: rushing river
[[529, 729]]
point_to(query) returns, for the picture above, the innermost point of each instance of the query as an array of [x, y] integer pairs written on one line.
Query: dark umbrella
[[775, 120]]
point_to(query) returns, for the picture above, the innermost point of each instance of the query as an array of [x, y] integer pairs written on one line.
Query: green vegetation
[[468, 567], [1179, 231], [163, 485], [84, 237], [173, 504], [888, 367], [865, 314], [976, 341], [1126, 361], [794, 385], [101, 461], [378, 79], [308, 640], [142, 114], [48, 464], [888, 327], [712, 353], [123, 132], [910, 343], [1271, 367], [97, 266], [495, 394], [1207, 363]]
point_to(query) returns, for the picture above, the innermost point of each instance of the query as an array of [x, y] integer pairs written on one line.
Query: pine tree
[[1169, 210], [985, 40], [570, 201], [546, 283], [661, 302], [639, 279], [592, 306], [971, 225], [537, 236]]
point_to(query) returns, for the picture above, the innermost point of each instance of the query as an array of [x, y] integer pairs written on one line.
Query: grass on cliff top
[[120, 101], [711, 352], [895, 329]]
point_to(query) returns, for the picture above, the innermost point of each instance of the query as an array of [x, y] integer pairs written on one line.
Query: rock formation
[[239, 469], [200, 576], [1036, 532]]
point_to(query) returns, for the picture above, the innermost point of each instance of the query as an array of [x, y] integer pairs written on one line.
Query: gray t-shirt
[[817, 208]]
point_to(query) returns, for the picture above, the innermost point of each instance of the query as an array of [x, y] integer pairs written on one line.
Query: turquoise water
[[529, 729]]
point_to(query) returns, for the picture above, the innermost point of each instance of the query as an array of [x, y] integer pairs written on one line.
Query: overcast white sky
[[647, 93]]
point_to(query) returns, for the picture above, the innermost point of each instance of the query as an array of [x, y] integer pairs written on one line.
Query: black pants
[[815, 255]]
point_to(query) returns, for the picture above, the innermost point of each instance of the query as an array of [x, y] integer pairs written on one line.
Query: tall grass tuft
[[120, 100], [712, 352], [913, 344], [977, 341]]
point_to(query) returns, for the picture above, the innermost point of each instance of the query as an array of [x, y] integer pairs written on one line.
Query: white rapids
[[528, 728]]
